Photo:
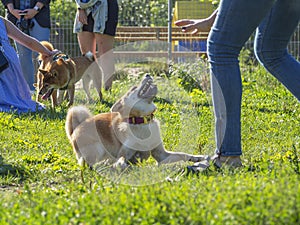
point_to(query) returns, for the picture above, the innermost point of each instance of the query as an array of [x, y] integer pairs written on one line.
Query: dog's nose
[[148, 77]]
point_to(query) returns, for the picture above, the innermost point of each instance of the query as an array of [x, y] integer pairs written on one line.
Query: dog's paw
[[198, 158]]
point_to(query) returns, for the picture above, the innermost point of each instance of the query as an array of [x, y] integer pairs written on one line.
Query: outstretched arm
[[197, 25], [26, 40]]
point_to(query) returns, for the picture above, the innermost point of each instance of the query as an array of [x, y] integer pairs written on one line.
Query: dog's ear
[[43, 71]]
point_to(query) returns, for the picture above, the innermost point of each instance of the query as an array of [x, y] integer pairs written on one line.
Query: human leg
[[105, 58], [41, 34], [271, 41], [106, 44], [25, 57], [235, 22], [87, 42]]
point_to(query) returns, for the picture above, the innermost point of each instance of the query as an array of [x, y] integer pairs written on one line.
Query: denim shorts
[[112, 20]]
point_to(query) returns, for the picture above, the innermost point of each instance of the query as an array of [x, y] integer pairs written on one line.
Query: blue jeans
[[26, 56], [275, 21]]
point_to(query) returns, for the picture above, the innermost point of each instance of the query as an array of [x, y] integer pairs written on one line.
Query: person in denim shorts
[[95, 24]]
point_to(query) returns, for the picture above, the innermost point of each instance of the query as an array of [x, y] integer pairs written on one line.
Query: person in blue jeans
[[232, 24], [37, 12]]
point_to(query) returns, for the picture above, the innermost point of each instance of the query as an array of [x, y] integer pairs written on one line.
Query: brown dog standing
[[44, 62], [63, 72]]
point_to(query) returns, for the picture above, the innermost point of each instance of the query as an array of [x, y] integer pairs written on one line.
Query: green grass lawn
[[40, 180]]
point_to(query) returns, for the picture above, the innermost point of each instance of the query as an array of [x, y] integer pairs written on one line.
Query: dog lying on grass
[[126, 135], [63, 72]]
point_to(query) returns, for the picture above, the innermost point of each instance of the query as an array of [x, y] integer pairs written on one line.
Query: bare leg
[[87, 42], [105, 56]]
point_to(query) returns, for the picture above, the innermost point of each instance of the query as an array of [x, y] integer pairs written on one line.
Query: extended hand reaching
[[194, 25], [197, 25]]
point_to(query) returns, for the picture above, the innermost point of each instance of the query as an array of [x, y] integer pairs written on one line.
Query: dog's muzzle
[[47, 94], [147, 89]]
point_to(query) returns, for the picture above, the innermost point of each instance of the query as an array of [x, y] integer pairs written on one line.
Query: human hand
[[16, 13], [49, 54], [194, 25], [54, 52], [82, 17], [30, 13]]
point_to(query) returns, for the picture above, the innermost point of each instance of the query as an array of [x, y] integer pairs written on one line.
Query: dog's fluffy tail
[[76, 115]]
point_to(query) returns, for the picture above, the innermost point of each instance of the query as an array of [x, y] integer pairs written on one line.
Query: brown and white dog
[[44, 62], [63, 72], [127, 134]]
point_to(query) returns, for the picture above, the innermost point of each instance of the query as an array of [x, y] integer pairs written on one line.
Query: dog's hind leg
[[120, 164], [97, 81], [96, 74], [86, 79], [124, 155]]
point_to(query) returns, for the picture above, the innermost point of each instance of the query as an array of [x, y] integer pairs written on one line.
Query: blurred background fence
[[140, 13]]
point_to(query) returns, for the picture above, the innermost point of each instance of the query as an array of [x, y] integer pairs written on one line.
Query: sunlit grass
[[40, 180]]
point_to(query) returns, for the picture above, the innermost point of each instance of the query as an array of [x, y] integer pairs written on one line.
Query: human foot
[[227, 161]]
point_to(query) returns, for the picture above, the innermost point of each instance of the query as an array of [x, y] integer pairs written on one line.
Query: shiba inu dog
[[63, 72], [127, 134], [44, 62]]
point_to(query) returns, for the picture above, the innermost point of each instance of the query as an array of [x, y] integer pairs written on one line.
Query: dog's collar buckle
[[139, 120], [59, 55]]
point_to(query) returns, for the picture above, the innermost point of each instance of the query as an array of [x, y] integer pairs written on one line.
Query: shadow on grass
[[12, 170]]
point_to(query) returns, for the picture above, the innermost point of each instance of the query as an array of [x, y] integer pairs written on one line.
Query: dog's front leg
[[54, 99], [60, 96], [163, 156]]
